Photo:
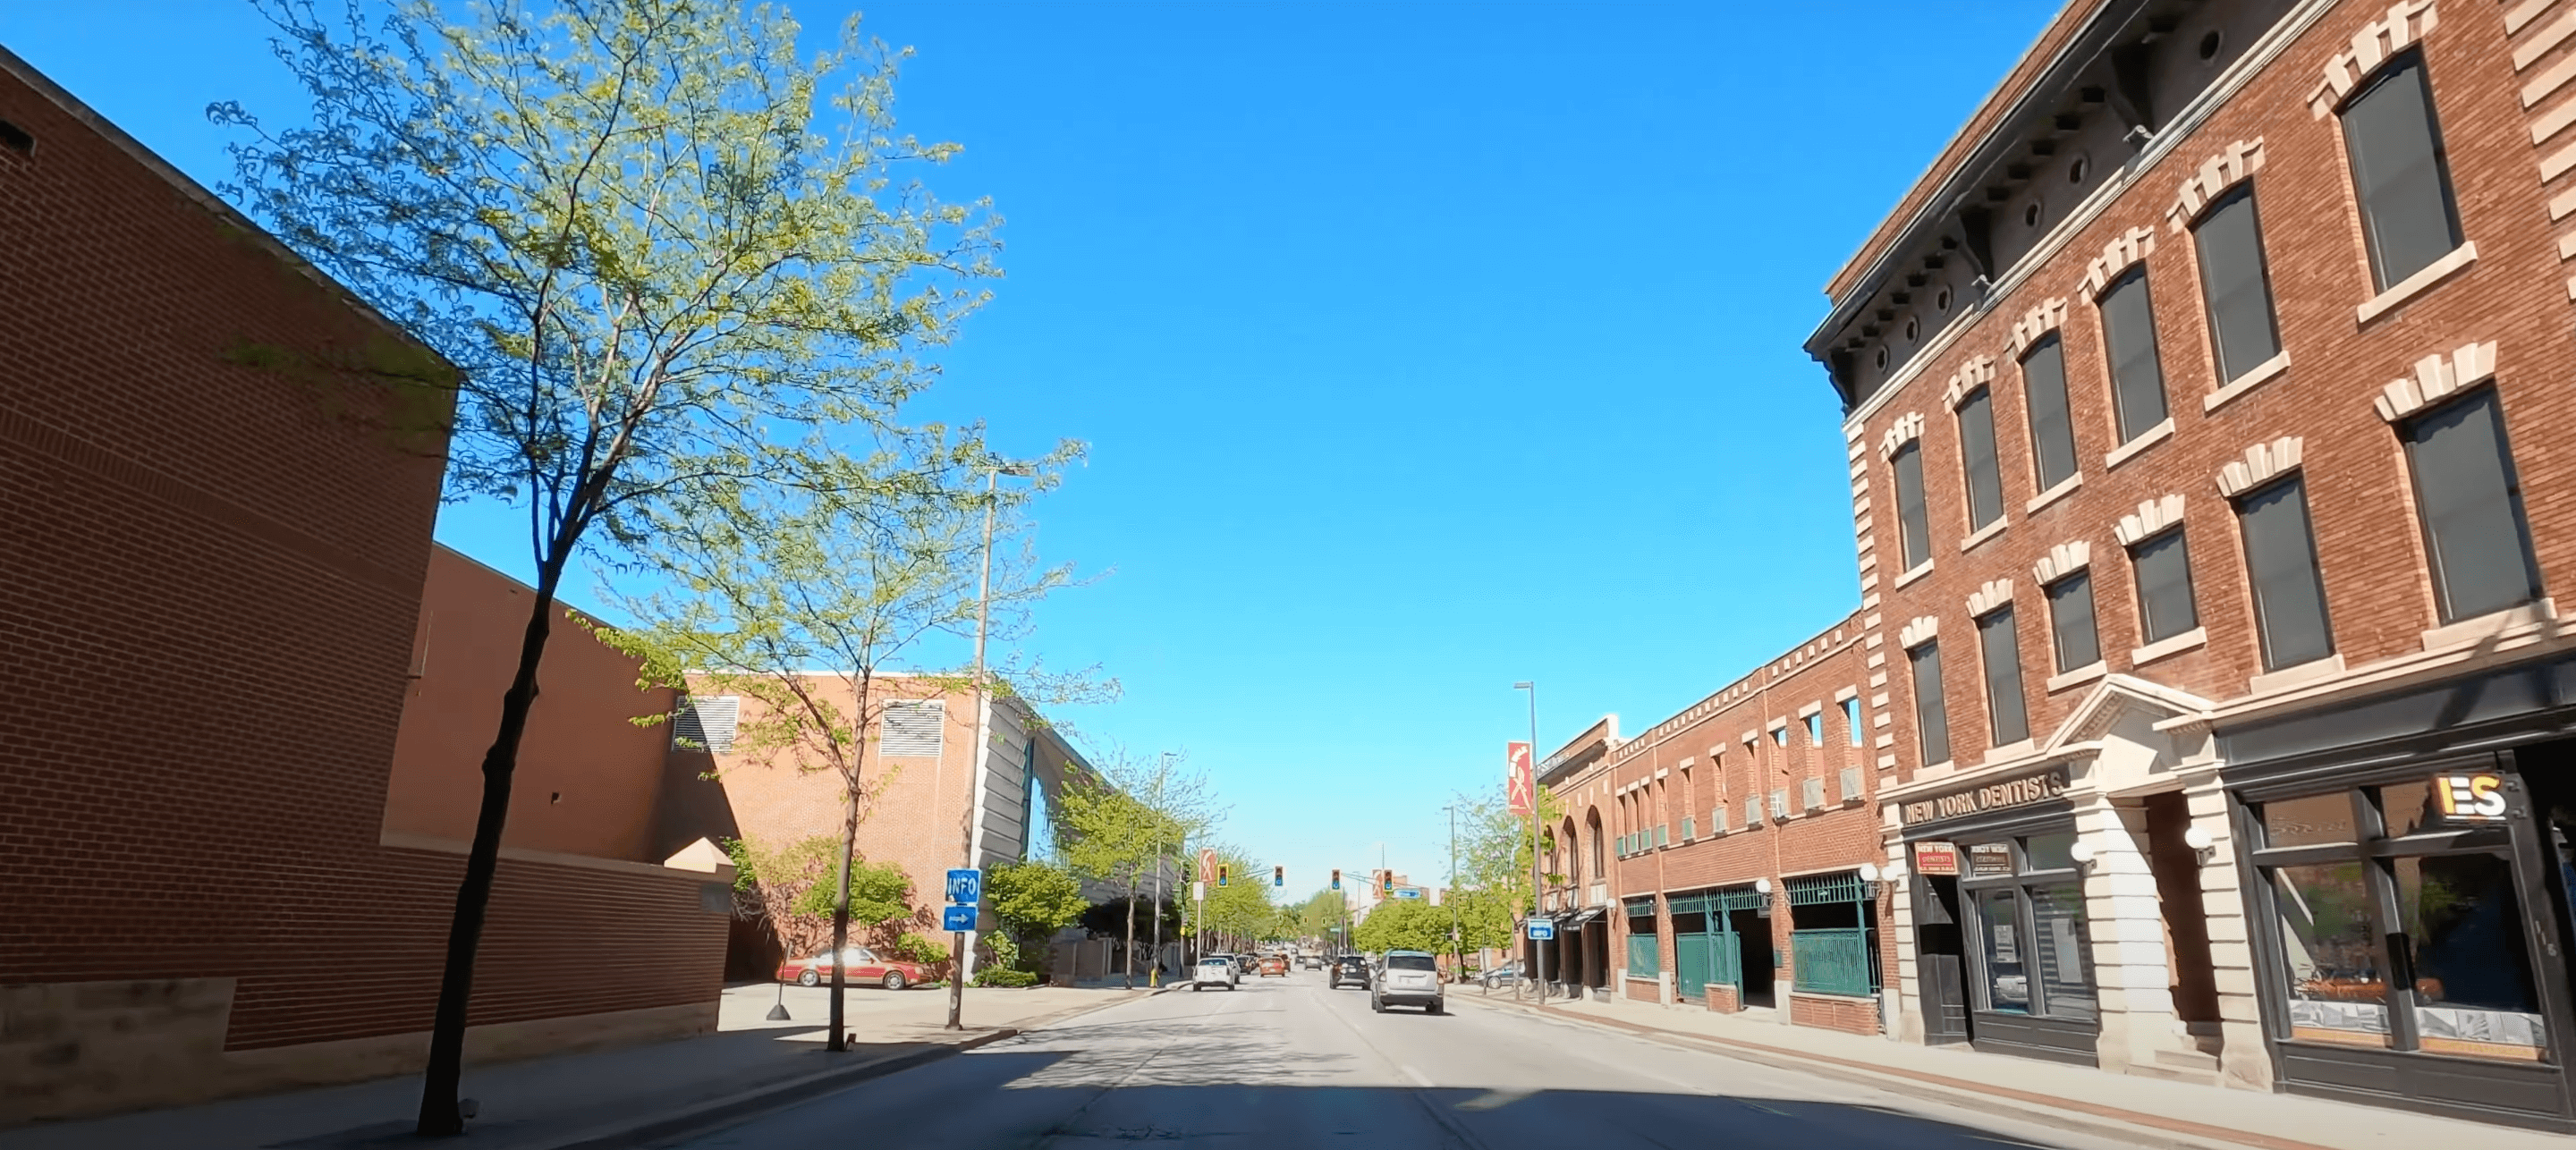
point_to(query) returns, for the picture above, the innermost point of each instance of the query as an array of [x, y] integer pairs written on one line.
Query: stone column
[[1906, 994], [2127, 927], [2243, 1059]]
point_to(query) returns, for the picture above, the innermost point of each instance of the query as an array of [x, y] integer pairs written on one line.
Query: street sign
[[1413, 892], [957, 919], [1198, 891], [1518, 783], [1936, 858], [966, 887], [1542, 930]]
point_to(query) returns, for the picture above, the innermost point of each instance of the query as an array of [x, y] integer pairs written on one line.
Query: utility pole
[[1457, 941], [1160, 772], [983, 736], [1538, 893]]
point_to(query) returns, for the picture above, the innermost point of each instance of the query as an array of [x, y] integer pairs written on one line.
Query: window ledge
[[2064, 487], [2146, 439], [2078, 677], [1984, 533], [2255, 377], [2172, 645], [2472, 631], [2406, 289], [2296, 674], [2009, 751], [1920, 570]]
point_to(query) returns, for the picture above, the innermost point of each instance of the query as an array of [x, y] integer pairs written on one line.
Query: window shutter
[[706, 724], [1717, 819], [2281, 563], [2129, 333], [1752, 810], [1850, 784], [1811, 793], [914, 729], [2052, 429]]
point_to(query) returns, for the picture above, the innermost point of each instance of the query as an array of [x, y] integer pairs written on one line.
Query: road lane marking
[[1496, 1099], [1418, 1077]]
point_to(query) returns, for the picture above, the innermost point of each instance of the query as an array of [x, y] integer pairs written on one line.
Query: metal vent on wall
[[914, 729], [706, 724]]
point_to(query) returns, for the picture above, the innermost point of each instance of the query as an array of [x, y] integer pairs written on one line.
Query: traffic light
[[1337, 878], [1279, 876], [1221, 868], [1386, 882]]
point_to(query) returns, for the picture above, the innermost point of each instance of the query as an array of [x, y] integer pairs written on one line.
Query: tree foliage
[[794, 886], [1404, 924], [1494, 847], [1032, 900]]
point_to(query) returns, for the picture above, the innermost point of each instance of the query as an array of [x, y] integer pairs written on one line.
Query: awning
[[1586, 917]]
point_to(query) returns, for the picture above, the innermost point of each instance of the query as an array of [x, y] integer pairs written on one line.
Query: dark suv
[[1349, 968]]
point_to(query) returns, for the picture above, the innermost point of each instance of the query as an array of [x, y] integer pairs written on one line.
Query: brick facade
[[220, 517]]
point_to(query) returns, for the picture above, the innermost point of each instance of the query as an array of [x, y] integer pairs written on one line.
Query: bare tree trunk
[[440, 1116], [849, 852]]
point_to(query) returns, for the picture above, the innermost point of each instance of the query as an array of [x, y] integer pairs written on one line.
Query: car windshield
[[1411, 962]]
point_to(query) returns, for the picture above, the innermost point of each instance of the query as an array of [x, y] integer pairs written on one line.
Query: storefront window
[[2473, 984], [2007, 978], [2336, 992], [2057, 947], [2050, 852], [2315, 820]]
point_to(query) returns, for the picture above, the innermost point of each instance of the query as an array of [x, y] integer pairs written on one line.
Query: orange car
[[1274, 964]]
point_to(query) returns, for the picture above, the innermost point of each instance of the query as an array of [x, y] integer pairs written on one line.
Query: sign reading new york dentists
[[2009, 793]]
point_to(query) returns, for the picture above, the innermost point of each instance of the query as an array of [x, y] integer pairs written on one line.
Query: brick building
[[218, 503], [2203, 409], [934, 798], [1728, 856]]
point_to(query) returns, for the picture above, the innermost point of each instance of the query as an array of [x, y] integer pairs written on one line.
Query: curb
[[734, 1110], [2135, 1127]]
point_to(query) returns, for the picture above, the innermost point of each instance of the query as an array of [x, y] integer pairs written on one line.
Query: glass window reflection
[[2315, 820], [2336, 991], [2007, 973]]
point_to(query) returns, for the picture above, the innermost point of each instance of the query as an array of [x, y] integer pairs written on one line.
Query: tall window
[[1999, 645], [2471, 506], [1977, 455], [2236, 283], [2052, 430], [1851, 718], [2129, 331], [1931, 716], [2400, 172], [1816, 729], [2070, 622], [2281, 563], [1913, 521], [2163, 565]]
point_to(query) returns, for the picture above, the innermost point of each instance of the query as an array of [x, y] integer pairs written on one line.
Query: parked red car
[[864, 967]]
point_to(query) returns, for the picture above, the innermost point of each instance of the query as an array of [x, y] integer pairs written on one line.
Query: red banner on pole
[[1520, 786], [1207, 865]]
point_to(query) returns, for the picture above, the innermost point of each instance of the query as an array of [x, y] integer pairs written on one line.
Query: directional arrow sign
[[1541, 930]]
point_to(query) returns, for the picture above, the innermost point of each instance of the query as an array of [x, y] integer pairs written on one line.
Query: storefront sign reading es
[[2470, 798], [2023, 791]]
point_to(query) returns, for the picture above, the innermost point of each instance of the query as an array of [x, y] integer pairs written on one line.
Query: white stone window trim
[[2009, 751], [2190, 640], [1994, 596], [1813, 708], [2078, 677], [2263, 463], [2145, 439], [1906, 429], [2437, 377], [1984, 533], [2400, 26], [2458, 260], [2064, 488], [1846, 693], [1920, 630], [2216, 176], [1920, 570], [2254, 377], [2477, 629], [2046, 316], [2061, 561], [1978, 372], [2125, 251], [2296, 675], [2150, 519]]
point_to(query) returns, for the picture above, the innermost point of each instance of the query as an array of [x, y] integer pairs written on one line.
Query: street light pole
[[1538, 953], [1457, 941], [983, 735], [1156, 978]]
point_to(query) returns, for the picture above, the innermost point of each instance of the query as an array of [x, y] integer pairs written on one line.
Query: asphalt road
[[1287, 1063]]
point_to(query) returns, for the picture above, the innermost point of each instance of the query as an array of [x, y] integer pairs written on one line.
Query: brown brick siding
[[1835, 1012]]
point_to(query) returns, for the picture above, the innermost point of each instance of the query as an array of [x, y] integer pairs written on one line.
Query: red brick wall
[[214, 581], [1723, 999], [1835, 1012], [2370, 548]]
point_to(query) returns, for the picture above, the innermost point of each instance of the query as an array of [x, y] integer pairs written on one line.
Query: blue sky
[[1421, 348]]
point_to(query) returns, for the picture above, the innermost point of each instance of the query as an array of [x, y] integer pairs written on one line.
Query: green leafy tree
[[1494, 847], [659, 245], [1404, 924], [1133, 819], [795, 889], [1032, 900]]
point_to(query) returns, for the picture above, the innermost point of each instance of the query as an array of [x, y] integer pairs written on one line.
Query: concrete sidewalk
[[606, 1098], [2148, 1111]]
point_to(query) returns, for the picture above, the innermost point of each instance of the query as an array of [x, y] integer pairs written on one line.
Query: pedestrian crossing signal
[[1337, 878], [1221, 868], [1279, 876]]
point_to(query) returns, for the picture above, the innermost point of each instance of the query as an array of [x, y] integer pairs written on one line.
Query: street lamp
[[983, 732], [1538, 964]]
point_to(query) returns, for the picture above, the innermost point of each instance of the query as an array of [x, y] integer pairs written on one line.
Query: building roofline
[[106, 129]]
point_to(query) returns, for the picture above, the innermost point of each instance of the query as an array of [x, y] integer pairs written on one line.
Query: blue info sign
[[1541, 930], [957, 919], [966, 887]]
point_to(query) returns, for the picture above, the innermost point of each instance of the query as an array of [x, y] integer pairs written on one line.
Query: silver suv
[[1407, 978]]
